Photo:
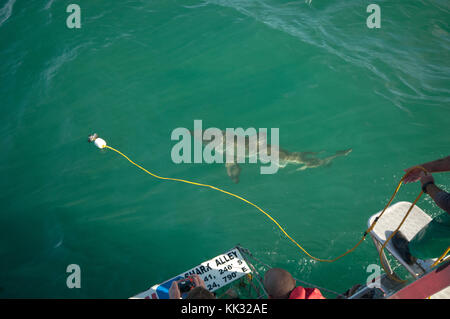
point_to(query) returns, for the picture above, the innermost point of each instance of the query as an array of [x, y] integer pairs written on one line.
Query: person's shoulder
[[298, 293], [314, 293], [306, 293]]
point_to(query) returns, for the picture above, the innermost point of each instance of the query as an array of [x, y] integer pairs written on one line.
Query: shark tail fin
[[344, 152]]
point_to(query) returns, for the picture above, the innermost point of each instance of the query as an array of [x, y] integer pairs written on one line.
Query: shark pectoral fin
[[302, 168], [234, 171], [282, 164]]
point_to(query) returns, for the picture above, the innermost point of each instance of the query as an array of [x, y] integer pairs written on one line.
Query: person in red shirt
[[280, 284]]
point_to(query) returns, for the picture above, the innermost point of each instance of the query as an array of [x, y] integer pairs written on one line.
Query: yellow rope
[[401, 223], [441, 259], [392, 235], [274, 221], [220, 190]]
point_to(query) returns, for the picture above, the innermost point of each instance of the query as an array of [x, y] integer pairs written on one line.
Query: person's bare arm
[[439, 196], [174, 291], [440, 165], [432, 190]]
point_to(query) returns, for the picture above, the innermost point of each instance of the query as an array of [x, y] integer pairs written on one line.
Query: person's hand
[[174, 291], [414, 175], [198, 281]]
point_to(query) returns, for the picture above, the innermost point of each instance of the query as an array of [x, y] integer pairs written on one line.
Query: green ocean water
[[136, 70]]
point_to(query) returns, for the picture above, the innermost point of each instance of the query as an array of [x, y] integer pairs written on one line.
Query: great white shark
[[304, 159]]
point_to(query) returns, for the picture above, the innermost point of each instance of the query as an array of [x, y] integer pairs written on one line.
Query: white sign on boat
[[216, 273]]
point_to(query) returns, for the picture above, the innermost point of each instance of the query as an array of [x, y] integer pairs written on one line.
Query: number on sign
[[212, 286], [221, 271], [229, 277]]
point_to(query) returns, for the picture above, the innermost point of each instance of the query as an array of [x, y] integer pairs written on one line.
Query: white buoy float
[[99, 142]]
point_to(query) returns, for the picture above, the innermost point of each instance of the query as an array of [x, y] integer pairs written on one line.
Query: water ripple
[[394, 55], [6, 11]]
